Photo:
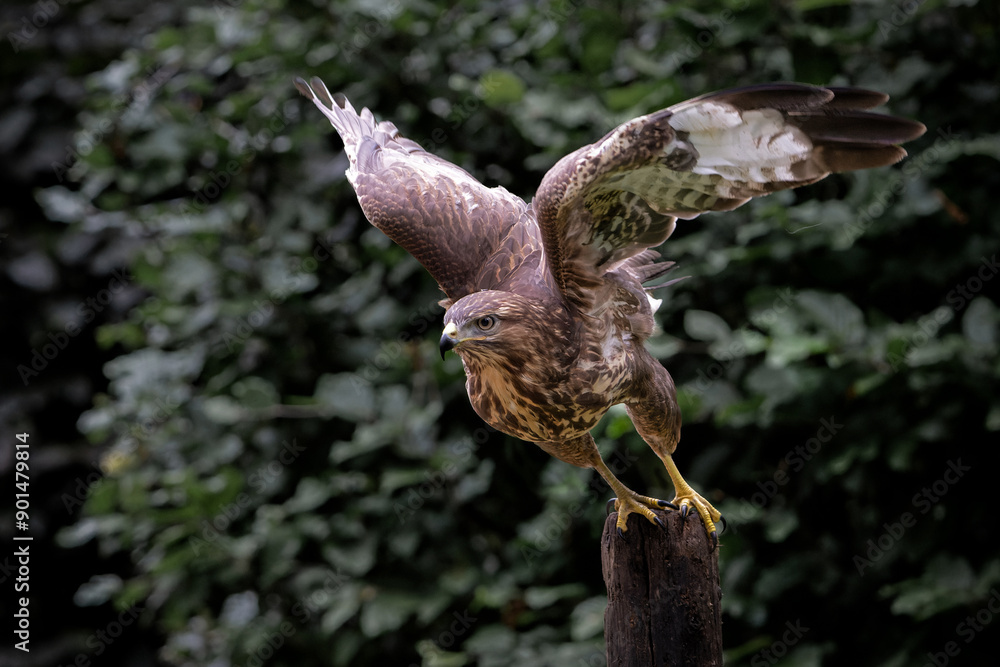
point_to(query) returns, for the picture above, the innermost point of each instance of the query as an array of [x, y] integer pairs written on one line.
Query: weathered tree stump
[[663, 594]]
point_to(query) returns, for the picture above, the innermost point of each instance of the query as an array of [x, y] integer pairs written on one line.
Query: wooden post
[[663, 594]]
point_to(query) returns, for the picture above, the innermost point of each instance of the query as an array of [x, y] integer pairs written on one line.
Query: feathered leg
[[654, 412], [583, 452]]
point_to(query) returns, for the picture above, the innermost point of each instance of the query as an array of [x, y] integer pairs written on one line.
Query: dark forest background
[[244, 449]]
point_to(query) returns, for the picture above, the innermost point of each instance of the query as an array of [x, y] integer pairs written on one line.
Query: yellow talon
[[633, 503], [709, 515], [629, 502], [687, 498]]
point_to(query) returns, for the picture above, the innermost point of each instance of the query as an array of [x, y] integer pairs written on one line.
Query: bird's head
[[493, 325]]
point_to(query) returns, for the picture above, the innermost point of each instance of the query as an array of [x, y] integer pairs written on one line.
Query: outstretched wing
[[450, 222], [605, 203]]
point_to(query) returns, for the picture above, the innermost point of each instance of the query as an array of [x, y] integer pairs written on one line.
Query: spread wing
[[601, 206], [469, 237]]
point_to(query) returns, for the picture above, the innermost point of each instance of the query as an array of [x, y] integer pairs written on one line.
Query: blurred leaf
[[946, 582], [222, 410], [501, 87], [834, 313], [703, 325], [626, 97], [540, 597], [347, 396], [981, 322], [98, 590], [355, 559], [588, 618], [476, 483], [492, 640], [309, 494], [386, 611], [780, 523]]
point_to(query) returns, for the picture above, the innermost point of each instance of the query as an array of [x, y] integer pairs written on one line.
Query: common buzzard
[[545, 301]]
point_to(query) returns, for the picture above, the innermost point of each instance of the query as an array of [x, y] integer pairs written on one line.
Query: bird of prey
[[546, 304]]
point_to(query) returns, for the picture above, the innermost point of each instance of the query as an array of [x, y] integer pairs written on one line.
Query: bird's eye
[[486, 323]]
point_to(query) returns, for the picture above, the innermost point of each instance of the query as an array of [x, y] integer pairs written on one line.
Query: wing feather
[[438, 212], [607, 202]]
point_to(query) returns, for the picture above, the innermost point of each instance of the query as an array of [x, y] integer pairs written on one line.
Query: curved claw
[[621, 534], [665, 503], [725, 524], [660, 523], [692, 503], [629, 502], [610, 506]]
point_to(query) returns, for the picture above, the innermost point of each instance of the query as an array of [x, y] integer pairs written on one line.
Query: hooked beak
[[449, 338]]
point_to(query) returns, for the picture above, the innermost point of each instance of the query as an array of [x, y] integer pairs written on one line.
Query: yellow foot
[[687, 499], [631, 502]]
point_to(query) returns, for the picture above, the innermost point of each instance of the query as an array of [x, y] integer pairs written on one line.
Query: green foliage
[[292, 476]]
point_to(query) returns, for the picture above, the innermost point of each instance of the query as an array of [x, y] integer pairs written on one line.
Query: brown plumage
[[545, 302]]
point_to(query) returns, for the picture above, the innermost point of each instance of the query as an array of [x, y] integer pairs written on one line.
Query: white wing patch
[[756, 146]]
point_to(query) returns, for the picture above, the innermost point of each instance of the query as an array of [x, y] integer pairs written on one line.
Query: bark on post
[[663, 594]]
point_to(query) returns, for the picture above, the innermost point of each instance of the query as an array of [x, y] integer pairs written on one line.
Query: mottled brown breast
[[543, 404]]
